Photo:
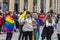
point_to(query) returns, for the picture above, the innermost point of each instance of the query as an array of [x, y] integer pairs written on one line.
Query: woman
[[54, 17], [58, 29], [28, 27], [49, 26], [9, 26], [1, 22], [36, 25], [48, 29]]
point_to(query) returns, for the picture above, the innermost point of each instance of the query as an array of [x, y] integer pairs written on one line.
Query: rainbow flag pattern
[[9, 24]]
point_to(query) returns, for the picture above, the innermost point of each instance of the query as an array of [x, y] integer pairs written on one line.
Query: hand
[[46, 26], [28, 25], [25, 20], [35, 22]]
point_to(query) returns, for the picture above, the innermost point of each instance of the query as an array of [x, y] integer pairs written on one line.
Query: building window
[[34, 5], [5, 5], [25, 5]]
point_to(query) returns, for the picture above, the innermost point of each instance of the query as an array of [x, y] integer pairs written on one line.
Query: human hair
[[51, 11], [9, 13], [42, 11], [0, 13], [49, 18], [28, 12], [21, 13]]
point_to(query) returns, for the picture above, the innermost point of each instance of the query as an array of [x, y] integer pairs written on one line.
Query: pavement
[[54, 36], [16, 35]]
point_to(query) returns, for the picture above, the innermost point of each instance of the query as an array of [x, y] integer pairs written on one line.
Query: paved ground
[[15, 35], [54, 36]]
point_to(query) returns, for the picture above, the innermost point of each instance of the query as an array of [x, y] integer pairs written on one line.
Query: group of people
[[29, 24]]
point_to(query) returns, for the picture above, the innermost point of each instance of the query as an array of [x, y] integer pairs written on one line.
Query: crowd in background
[[30, 24]]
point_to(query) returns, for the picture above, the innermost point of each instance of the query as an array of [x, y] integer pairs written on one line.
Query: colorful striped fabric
[[37, 37], [9, 24], [38, 27]]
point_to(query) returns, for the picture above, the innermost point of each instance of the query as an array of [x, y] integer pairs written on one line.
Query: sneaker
[[2, 32]]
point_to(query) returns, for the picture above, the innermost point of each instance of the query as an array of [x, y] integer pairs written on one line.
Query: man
[[58, 29], [15, 16], [1, 22], [41, 17]]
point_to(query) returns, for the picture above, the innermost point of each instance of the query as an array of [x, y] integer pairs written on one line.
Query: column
[[21, 6], [30, 5], [44, 5], [0, 0], [47, 5], [11, 5], [58, 6], [53, 4], [38, 6]]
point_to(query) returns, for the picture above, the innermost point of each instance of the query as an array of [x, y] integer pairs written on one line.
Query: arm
[[46, 23], [53, 22], [21, 21]]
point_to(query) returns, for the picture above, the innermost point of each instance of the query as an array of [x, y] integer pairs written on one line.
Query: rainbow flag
[[37, 37], [38, 29], [9, 24]]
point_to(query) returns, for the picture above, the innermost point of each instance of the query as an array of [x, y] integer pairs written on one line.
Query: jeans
[[9, 36], [28, 34], [58, 36]]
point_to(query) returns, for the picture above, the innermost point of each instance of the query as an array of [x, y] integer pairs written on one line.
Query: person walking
[[1, 22], [58, 28], [54, 17], [9, 26], [48, 29]]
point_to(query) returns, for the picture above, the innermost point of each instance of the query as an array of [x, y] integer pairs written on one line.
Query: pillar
[[53, 4], [58, 6], [11, 5], [21, 6], [47, 5], [38, 5], [30, 5]]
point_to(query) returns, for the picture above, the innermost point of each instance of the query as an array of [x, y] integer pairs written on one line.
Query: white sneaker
[[2, 32]]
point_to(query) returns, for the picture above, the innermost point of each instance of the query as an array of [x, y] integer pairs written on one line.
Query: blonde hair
[[35, 15]]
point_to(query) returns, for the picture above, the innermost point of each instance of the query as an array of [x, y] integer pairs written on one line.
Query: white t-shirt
[[50, 24]]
